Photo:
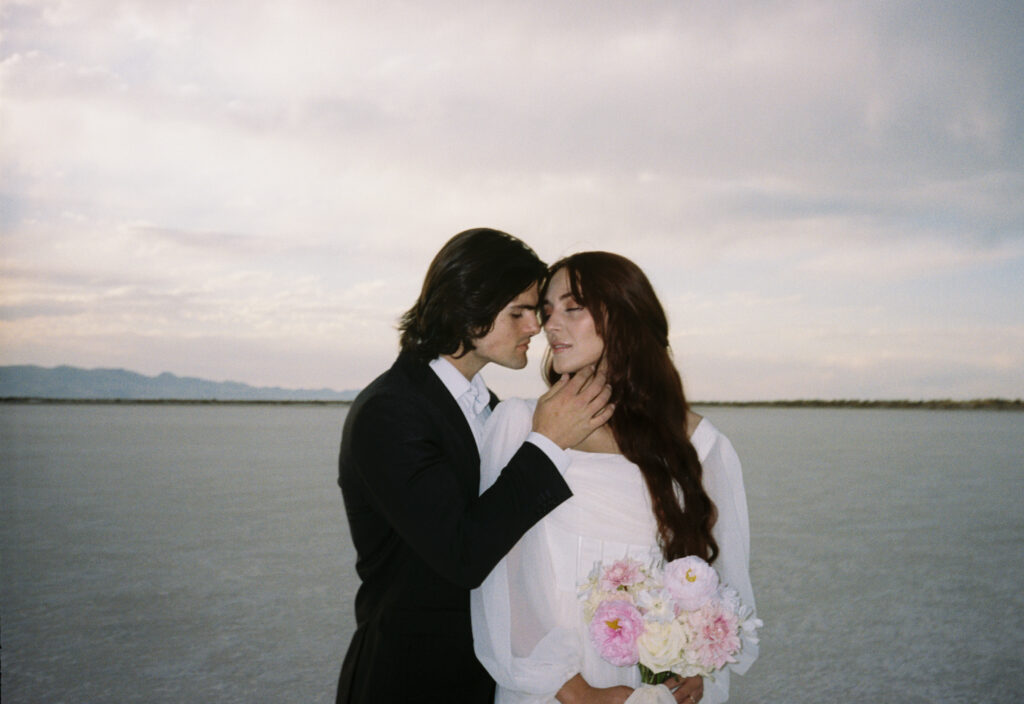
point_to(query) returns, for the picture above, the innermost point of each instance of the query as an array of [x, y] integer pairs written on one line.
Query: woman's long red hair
[[649, 423]]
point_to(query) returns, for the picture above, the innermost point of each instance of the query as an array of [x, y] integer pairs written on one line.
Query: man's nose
[[533, 325]]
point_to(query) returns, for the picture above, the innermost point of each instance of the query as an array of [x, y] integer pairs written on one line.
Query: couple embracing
[[475, 521]]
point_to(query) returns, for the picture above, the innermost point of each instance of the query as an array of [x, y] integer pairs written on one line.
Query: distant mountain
[[30, 381]]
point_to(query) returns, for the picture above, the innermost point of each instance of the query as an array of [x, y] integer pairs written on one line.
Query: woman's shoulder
[[513, 409], [511, 416], [707, 438], [509, 425], [516, 405]]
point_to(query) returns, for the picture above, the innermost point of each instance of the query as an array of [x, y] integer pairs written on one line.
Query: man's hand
[[574, 408]]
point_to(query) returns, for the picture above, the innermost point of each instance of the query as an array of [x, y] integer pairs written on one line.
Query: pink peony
[[621, 573], [614, 631], [717, 635], [691, 582]]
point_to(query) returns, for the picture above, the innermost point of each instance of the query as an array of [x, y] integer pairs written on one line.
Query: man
[[409, 472]]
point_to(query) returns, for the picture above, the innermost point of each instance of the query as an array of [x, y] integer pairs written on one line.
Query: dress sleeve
[[723, 479], [515, 632]]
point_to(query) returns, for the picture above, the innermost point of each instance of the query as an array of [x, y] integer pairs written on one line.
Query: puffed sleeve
[[515, 634], [723, 480]]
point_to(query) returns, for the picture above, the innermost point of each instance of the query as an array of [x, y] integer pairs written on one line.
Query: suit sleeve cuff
[[554, 452]]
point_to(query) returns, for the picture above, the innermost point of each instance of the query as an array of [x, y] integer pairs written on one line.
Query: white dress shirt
[[474, 398]]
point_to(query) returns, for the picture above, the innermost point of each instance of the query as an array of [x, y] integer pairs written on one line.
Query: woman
[[657, 481]]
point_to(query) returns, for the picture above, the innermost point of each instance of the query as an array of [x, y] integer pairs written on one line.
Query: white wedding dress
[[528, 628]]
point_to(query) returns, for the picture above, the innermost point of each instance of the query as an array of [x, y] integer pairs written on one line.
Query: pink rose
[[690, 581], [614, 631], [622, 573]]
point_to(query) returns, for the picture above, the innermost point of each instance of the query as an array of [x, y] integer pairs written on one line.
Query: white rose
[[661, 645]]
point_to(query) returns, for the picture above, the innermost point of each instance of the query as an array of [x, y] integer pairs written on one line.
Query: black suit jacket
[[409, 473]]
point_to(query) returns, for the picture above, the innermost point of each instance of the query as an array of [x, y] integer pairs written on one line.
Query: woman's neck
[[601, 440]]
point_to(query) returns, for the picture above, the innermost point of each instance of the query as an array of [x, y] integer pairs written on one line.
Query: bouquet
[[673, 620]]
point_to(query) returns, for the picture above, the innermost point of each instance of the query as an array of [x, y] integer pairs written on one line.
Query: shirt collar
[[457, 384]]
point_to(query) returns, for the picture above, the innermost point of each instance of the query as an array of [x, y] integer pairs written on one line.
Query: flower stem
[[649, 677]]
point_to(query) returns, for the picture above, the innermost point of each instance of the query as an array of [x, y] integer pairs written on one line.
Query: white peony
[[691, 582]]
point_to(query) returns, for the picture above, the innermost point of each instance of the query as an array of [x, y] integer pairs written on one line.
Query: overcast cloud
[[829, 197]]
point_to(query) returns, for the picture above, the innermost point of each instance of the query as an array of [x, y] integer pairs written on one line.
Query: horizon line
[[993, 403]]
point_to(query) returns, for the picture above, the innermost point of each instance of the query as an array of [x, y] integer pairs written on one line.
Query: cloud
[[774, 95], [263, 170]]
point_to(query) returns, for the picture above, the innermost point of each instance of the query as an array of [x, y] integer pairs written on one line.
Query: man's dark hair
[[475, 275]]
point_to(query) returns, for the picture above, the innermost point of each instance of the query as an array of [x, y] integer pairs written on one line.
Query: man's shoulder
[[400, 376], [403, 385]]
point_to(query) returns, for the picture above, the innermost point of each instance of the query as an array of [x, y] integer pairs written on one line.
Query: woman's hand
[[686, 691], [577, 691]]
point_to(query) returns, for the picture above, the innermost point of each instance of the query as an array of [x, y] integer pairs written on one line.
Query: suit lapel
[[430, 386]]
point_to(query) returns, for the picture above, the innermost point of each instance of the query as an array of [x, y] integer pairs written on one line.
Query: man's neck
[[469, 365]]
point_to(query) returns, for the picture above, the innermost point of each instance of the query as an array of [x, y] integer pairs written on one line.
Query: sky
[[828, 197]]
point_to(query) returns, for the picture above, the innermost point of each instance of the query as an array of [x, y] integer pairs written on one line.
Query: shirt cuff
[[554, 452]]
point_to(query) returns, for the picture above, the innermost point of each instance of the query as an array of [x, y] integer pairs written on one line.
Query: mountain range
[[64, 382]]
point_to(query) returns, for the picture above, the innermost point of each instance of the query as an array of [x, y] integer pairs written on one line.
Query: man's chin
[[515, 363]]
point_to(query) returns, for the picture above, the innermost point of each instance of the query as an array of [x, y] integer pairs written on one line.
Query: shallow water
[[178, 553]]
